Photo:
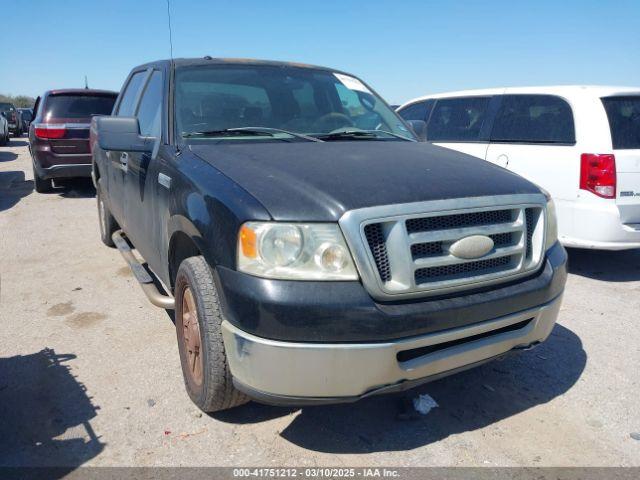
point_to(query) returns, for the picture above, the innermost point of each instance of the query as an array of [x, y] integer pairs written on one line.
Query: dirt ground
[[89, 370]]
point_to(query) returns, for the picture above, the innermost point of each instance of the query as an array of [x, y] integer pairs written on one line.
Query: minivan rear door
[[623, 113]]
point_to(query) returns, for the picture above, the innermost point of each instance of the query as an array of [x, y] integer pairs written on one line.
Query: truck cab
[[312, 249]]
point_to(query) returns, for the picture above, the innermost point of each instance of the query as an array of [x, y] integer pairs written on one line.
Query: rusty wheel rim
[[191, 337]]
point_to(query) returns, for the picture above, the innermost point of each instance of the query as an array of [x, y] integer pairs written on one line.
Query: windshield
[[212, 99], [6, 107]]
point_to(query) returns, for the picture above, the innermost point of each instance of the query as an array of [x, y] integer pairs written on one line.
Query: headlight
[[295, 251], [551, 236]]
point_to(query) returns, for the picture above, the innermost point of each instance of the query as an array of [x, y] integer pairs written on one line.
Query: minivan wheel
[[198, 327], [42, 185], [108, 224]]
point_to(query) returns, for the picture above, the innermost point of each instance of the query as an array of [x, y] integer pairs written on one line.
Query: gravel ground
[[89, 370]]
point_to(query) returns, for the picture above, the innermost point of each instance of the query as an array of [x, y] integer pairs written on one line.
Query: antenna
[[170, 38], [86, 83]]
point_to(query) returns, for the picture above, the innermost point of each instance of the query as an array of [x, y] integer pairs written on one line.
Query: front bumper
[[340, 312], [301, 373]]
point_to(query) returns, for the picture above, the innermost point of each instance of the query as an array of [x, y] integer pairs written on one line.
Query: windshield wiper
[[246, 131], [361, 134]]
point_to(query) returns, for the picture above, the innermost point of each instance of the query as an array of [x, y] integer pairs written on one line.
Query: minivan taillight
[[44, 130], [598, 174]]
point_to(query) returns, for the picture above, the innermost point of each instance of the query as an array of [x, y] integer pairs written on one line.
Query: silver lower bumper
[[335, 370]]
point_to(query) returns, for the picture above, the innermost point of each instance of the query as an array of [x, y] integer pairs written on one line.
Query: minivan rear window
[[78, 106], [534, 119], [624, 121], [457, 119]]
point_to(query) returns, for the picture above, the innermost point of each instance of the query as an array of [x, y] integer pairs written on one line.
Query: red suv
[[59, 133]]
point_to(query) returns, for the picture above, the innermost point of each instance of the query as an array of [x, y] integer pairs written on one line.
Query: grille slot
[[462, 220], [406, 355], [423, 250], [529, 218], [460, 269], [376, 241]]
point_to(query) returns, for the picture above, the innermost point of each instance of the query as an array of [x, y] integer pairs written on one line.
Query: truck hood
[[312, 181]]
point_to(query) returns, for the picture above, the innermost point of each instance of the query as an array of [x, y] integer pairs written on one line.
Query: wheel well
[[180, 247]]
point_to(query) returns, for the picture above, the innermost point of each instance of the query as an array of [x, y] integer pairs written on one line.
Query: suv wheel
[[108, 224], [43, 185], [198, 327]]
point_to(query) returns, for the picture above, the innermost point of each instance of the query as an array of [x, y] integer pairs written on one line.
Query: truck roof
[[180, 62]]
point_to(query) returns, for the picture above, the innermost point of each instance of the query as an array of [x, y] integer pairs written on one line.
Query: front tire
[[199, 317]]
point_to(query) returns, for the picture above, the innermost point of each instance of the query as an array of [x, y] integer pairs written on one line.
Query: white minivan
[[580, 143]]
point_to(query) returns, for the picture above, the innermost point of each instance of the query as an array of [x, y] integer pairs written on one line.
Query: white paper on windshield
[[352, 83]]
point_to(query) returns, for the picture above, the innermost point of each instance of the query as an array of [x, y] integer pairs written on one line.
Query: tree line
[[20, 101]]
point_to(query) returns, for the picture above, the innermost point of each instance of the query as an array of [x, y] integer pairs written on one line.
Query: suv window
[[533, 119], [151, 106], [128, 102], [624, 121], [417, 111], [77, 106], [457, 119]]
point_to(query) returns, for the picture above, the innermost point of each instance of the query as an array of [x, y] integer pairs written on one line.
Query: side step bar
[[142, 275]]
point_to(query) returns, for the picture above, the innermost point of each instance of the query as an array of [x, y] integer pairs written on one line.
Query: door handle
[[503, 160], [124, 160]]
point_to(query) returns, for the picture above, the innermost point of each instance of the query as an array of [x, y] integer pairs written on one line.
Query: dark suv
[[313, 250], [13, 117], [59, 133]]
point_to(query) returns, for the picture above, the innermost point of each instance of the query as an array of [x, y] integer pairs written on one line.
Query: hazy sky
[[402, 48]]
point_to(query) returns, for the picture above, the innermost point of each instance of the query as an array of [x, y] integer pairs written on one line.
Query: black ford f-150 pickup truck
[[313, 250]]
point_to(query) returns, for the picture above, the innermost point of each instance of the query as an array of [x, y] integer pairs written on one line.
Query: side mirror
[[121, 134], [419, 127]]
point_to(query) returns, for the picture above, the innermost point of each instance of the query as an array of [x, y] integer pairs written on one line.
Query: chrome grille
[[404, 250]]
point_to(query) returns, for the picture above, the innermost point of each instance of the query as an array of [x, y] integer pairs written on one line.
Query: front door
[[118, 161], [462, 124], [141, 178]]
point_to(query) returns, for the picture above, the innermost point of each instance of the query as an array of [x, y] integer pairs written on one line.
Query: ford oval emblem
[[474, 246]]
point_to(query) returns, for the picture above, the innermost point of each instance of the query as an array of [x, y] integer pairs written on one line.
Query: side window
[[128, 102], [533, 119], [150, 109], [457, 119], [417, 111]]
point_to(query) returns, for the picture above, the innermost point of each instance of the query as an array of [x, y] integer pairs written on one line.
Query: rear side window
[[417, 111], [534, 119], [624, 121], [457, 119], [128, 103], [78, 106], [151, 106]]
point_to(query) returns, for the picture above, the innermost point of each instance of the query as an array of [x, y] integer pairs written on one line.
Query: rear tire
[[205, 370], [107, 223], [42, 185]]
